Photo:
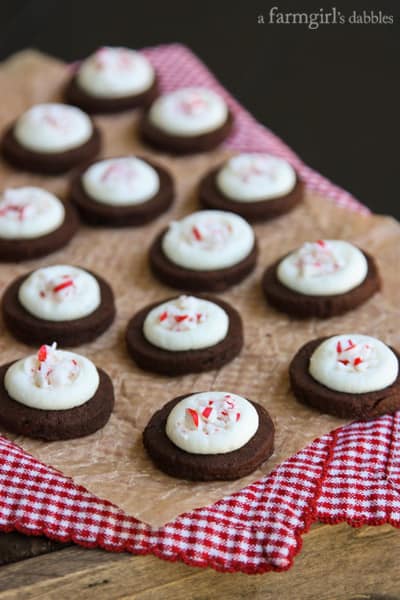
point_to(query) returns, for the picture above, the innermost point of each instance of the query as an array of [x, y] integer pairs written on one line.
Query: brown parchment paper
[[112, 463]]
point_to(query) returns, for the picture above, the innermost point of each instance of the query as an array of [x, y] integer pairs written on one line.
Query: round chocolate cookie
[[34, 331], [210, 196], [207, 467], [16, 250], [179, 144], [75, 94], [155, 359], [99, 213], [303, 305], [216, 280], [48, 163], [362, 406], [57, 424]]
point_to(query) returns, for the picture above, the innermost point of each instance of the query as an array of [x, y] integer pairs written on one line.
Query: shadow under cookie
[[57, 424], [261, 210], [307, 390], [304, 306], [216, 280], [15, 250], [180, 144], [34, 331], [76, 95], [172, 363], [49, 163], [106, 215], [207, 467]]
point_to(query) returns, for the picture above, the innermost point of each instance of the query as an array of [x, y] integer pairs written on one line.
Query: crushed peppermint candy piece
[[51, 368], [181, 314], [354, 357], [58, 288], [315, 259], [213, 415]]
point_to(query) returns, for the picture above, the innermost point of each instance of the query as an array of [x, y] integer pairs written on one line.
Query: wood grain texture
[[337, 563]]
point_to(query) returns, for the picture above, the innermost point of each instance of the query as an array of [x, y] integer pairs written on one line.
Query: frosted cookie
[[59, 302], [348, 375], [187, 120], [185, 334], [256, 186], [111, 80], [209, 436], [51, 139], [33, 223], [321, 279], [121, 192], [54, 395], [206, 251]]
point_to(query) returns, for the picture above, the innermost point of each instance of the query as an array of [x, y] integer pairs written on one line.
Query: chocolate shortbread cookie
[[362, 406], [75, 94], [49, 163], [178, 144], [130, 215], [172, 363], [57, 424], [304, 306], [216, 280], [16, 250], [34, 331], [210, 196], [176, 462]]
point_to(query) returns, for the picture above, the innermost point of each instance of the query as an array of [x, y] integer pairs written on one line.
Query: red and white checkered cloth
[[349, 475]]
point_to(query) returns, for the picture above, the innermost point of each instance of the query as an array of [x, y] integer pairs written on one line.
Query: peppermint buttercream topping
[[354, 364], [186, 323], [251, 177], [323, 268], [212, 423], [208, 239], [115, 72], [53, 128], [52, 379], [60, 293], [121, 181], [29, 212], [189, 111]]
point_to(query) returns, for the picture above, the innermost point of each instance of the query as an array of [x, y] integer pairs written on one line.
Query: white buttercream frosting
[[323, 268], [189, 111], [29, 212], [208, 239], [186, 323], [53, 128], [121, 181], [354, 363], [115, 72], [251, 177], [60, 293], [212, 423], [52, 379]]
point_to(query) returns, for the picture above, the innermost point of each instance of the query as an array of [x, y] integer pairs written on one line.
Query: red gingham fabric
[[351, 474]]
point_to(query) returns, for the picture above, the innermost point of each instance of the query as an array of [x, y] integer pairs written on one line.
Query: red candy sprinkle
[[195, 417], [321, 243], [180, 318], [207, 412], [42, 354], [163, 316], [350, 346], [237, 416], [61, 286], [344, 361], [339, 347], [357, 361], [196, 233]]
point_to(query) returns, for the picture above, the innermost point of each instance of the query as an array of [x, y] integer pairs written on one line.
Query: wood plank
[[336, 563], [15, 546]]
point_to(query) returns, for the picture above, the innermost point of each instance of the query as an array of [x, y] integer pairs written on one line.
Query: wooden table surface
[[336, 563]]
